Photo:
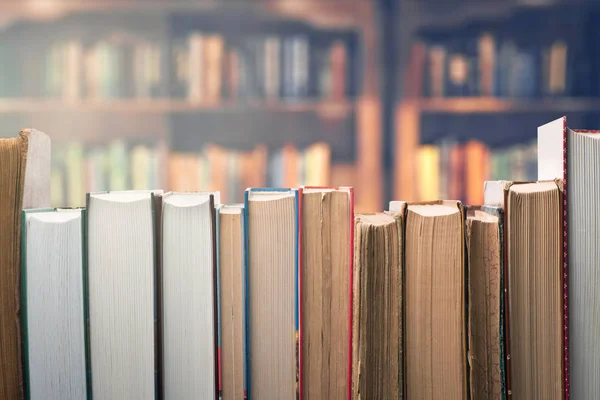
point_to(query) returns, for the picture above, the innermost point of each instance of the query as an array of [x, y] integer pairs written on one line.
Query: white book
[[573, 155], [53, 318], [122, 294], [189, 296], [196, 68]]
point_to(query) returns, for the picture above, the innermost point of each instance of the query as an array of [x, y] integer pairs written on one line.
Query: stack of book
[[453, 170], [290, 295], [202, 68], [209, 67], [519, 57]]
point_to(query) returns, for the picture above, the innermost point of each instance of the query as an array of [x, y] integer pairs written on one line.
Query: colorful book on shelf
[[573, 155], [24, 183], [124, 280], [534, 248], [273, 266], [54, 304], [378, 320], [325, 287], [232, 297], [188, 250]]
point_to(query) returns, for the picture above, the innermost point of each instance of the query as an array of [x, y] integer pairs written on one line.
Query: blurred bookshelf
[[288, 86], [476, 85]]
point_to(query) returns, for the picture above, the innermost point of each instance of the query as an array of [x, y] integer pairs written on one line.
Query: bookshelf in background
[[477, 92], [184, 79]]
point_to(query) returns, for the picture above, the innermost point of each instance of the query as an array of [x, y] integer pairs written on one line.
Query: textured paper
[[377, 353], [326, 245], [435, 339], [534, 255]]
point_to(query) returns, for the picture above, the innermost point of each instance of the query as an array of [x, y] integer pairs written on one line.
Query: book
[[448, 169], [378, 314], [189, 298], [24, 183], [534, 290], [534, 263], [435, 301], [272, 67], [196, 67], [572, 155], [123, 305], [54, 312], [428, 172], [485, 251], [232, 301], [272, 269], [327, 222]]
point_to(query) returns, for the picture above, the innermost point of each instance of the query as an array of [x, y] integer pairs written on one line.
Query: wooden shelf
[[490, 105], [158, 106]]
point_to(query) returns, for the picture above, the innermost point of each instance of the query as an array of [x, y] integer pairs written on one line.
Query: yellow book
[[75, 169], [428, 169], [140, 168]]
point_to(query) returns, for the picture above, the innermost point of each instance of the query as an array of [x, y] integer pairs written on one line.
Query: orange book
[[217, 164], [414, 73], [233, 76], [455, 189], [338, 70], [290, 166], [477, 171], [214, 68]]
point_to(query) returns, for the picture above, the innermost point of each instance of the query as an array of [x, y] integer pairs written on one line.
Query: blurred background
[[404, 99]]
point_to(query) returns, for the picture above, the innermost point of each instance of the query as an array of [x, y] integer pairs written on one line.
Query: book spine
[[565, 246], [247, 394], [272, 67], [298, 289], [156, 202], [24, 327], [217, 240], [351, 293]]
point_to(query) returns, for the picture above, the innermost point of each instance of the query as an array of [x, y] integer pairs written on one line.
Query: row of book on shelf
[[452, 170], [202, 68], [292, 295], [519, 58], [78, 169]]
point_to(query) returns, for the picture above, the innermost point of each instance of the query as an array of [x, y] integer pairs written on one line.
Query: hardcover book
[[326, 291], [188, 294], [122, 259], [378, 315], [54, 304], [435, 305], [24, 183], [534, 305], [272, 269], [231, 299], [574, 156], [485, 251]]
